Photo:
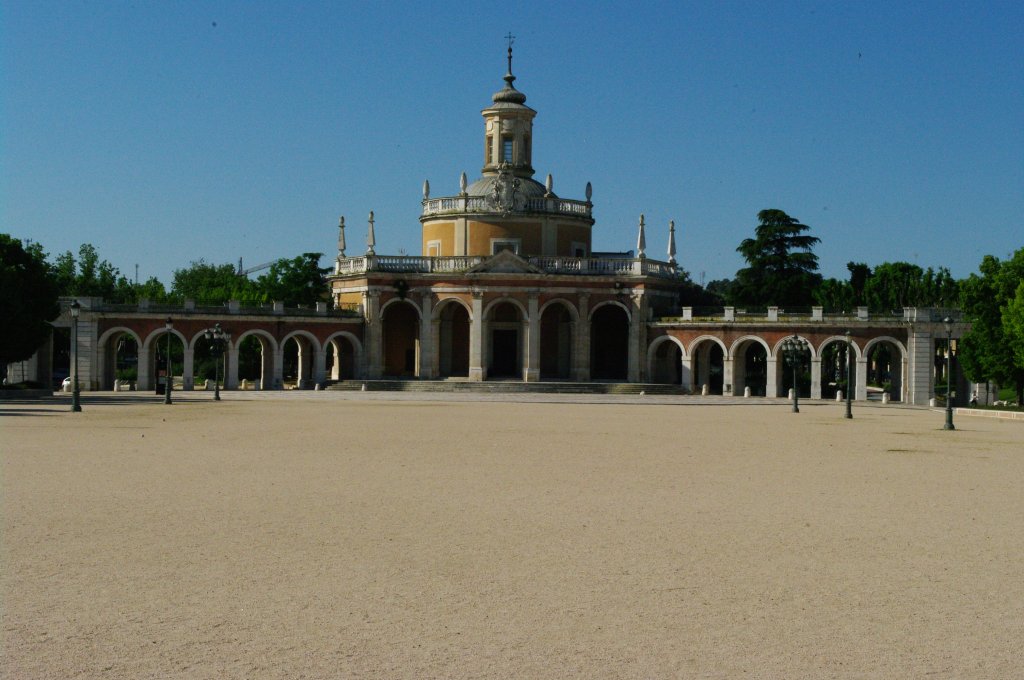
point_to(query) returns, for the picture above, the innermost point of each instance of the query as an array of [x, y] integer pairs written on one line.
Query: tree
[[783, 269], [29, 300], [90, 276], [1013, 322], [895, 285], [298, 281], [213, 284], [987, 352]]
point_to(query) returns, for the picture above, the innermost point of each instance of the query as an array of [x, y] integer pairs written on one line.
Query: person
[[974, 399]]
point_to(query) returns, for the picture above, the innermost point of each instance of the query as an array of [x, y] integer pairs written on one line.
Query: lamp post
[[793, 349], [216, 339], [849, 376], [170, 381], [948, 323], [76, 395]]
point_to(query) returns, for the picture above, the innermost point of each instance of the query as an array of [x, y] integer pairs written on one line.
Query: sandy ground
[[325, 535]]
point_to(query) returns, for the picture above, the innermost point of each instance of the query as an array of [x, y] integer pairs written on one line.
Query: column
[[531, 372], [142, 382], [476, 333], [771, 387], [276, 369], [188, 370], [687, 381], [816, 377], [920, 369], [636, 323], [373, 335], [727, 377], [428, 344], [231, 370], [581, 356], [319, 366], [861, 379]]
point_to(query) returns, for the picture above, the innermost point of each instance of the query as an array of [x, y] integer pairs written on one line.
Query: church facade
[[507, 284]]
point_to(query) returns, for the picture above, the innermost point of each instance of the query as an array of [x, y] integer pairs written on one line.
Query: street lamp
[[793, 349], [76, 395], [948, 323], [170, 381], [216, 339], [849, 376]]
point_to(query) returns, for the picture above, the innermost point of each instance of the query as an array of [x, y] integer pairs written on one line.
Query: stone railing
[[232, 307], [483, 204], [777, 314], [587, 266]]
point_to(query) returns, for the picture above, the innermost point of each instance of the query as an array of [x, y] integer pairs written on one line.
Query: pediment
[[505, 262]]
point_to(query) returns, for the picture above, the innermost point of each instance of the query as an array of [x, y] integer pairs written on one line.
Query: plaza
[[303, 534]]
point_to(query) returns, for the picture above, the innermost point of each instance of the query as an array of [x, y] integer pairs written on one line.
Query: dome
[[529, 188]]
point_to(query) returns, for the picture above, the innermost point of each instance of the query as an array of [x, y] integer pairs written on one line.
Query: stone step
[[503, 386]]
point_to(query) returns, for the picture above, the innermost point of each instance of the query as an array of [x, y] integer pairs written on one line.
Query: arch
[[148, 361], [450, 332], [663, 365], [269, 350], [609, 342], [738, 342], [890, 376], [575, 313], [617, 303], [749, 360], [494, 304], [314, 343], [704, 338], [343, 365], [707, 355], [442, 303], [147, 345], [400, 339], [107, 355], [394, 302], [777, 349], [839, 338], [558, 326]]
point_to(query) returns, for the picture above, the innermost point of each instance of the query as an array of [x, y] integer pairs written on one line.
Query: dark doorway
[[609, 343], [504, 352]]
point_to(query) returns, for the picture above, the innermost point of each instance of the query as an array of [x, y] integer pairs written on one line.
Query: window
[[498, 245], [433, 249], [526, 149], [506, 149], [579, 249], [487, 149]]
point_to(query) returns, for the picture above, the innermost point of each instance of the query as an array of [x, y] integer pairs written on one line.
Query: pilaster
[[476, 369], [532, 368], [582, 354]]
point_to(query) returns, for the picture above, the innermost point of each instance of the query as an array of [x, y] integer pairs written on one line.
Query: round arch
[[885, 338], [147, 345], [706, 338], [888, 375], [841, 339], [344, 367], [739, 342], [749, 366], [662, 365], [616, 303], [777, 349], [312, 339], [493, 304], [707, 355], [573, 312], [236, 341], [107, 356], [435, 313], [395, 302]]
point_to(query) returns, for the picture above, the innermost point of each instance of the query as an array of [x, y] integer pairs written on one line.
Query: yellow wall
[[481, 233], [567, 233], [440, 231]]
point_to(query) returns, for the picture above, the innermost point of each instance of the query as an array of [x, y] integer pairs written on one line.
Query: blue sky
[[165, 132]]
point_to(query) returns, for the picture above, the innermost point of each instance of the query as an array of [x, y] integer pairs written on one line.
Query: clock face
[[490, 125]]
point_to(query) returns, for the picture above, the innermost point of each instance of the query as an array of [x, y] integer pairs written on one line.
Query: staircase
[[503, 387]]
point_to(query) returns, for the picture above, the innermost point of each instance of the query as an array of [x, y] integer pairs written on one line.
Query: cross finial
[[511, 39]]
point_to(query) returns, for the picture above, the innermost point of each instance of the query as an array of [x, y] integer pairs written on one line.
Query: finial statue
[[341, 237], [511, 39], [590, 192], [671, 241], [462, 184], [549, 185], [371, 240], [641, 239], [426, 189]]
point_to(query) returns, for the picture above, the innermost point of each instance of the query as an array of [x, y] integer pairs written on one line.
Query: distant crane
[[245, 272]]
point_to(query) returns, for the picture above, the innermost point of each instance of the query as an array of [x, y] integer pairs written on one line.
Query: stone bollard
[[839, 395], [885, 397], [932, 403], [363, 388], [746, 391], [317, 387], [704, 390], [244, 385], [791, 394], [117, 385]]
